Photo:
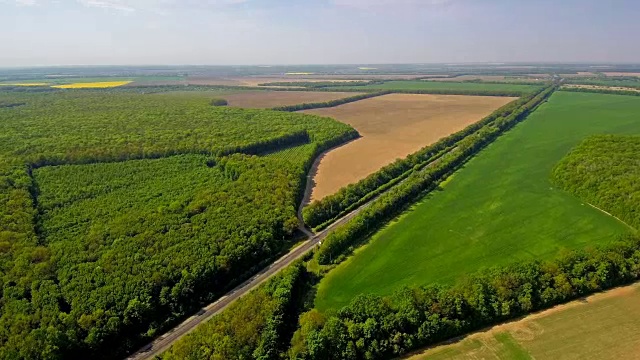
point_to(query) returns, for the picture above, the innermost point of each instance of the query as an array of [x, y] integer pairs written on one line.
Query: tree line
[[382, 327], [330, 103], [322, 212]]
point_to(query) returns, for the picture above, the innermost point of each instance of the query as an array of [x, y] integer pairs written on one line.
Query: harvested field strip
[[393, 126], [500, 208], [602, 326]]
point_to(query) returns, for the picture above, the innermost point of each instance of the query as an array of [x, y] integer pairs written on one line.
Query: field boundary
[[610, 214], [340, 243], [331, 103], [321, 212]]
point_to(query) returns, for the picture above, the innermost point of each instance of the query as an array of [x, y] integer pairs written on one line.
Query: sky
[[254, 32]]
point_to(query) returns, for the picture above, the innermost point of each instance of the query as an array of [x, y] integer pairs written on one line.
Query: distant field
[[269, 99], [500, 78], [261, 99], [604, 326], [500, 208], [440, 85], [607, 82], [74, 82], [600, 87], [393, 126], [257, 80], [93, 85], [622, 73]]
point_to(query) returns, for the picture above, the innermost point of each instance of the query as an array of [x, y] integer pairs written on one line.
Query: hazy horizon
[[47, 33]]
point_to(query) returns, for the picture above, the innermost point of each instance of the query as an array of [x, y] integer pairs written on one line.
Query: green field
[[443, 85], [501, 208], [605, 326], [631, 82]]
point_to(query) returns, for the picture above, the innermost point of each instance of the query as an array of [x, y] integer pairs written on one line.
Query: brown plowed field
[[393, 126]]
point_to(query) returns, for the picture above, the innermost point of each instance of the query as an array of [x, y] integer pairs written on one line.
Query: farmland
[[601, 87], [450, 86], [493, 78], [602, 326], [92, 85], [482, 220], [393, 126], [127, 209]]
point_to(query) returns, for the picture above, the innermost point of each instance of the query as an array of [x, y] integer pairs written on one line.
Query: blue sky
[[223, 32]]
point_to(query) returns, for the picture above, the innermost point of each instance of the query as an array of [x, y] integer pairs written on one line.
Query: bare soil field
[[602, 326], [579, 74], [268, 99], [393, 126], [598, 87], [621, 74]]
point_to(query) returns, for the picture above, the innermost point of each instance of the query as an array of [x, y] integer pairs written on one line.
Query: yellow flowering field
[[92, 85]]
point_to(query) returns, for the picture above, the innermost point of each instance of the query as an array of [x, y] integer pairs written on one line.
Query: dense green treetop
[[604, 170], [121, 213]]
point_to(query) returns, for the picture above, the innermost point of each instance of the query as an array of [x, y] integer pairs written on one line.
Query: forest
[[121, 213], [258, 326], [604, 170]]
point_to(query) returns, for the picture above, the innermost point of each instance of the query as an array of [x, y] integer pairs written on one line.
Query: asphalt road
[[161, 344]]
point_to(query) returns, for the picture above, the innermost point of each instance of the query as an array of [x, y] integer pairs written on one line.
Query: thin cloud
[[112, 5], [367, 4], [26, 2], [130, 6]]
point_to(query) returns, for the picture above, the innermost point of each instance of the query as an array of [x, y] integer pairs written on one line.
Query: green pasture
[[500, 208]]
